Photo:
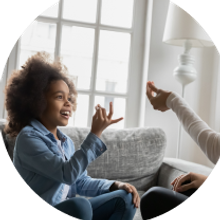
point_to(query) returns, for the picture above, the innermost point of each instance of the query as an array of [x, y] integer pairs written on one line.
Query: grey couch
[[134, 155]]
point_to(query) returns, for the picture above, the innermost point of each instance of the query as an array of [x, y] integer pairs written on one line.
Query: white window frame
[[135, 70]]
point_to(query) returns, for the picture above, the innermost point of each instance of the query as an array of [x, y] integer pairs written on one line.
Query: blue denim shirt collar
[[42, 129]]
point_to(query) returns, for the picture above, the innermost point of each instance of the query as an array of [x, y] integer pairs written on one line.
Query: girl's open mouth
[[65, 116]]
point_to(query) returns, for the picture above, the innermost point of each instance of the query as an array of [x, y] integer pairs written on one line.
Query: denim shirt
[[39, 161]]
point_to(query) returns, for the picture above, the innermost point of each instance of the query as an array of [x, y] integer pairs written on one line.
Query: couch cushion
[[134, 155]]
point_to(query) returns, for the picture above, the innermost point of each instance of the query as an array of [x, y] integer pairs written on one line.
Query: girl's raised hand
[[101, 120]]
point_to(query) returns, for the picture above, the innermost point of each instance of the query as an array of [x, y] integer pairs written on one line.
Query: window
[[98, 41], [2, 84]]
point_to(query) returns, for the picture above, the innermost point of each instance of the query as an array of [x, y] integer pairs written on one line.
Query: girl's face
[[58, 109]]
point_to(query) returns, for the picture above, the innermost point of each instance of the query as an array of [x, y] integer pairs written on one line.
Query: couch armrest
[[172, 167], [9, 147]]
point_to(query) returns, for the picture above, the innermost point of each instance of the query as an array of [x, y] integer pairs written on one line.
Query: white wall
[[201, 94]]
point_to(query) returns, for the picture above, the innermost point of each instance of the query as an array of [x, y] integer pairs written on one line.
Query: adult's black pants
[[158, 200]]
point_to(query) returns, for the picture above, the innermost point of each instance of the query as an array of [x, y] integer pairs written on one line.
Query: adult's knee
[[161, 194], [152, 193], [158, 200], [151, 197], [149, 202]]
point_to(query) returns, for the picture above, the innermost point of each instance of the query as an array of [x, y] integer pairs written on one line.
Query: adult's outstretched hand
[[159, 100]]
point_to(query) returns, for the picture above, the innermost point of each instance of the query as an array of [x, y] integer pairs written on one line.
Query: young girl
[[40, 97]]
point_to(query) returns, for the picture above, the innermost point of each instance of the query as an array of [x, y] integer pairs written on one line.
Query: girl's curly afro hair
[[25, 90]]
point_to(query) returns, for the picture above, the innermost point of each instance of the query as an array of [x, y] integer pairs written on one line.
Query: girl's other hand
[[101, 120], [159, 100]]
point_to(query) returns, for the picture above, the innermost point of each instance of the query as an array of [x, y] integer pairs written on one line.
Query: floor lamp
[[182, 30]]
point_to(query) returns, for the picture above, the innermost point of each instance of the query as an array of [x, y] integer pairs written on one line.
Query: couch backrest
[[134, 155], [9, 142]]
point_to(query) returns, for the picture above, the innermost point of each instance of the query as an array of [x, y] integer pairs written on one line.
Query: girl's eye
[[60, 96], [69, 99]]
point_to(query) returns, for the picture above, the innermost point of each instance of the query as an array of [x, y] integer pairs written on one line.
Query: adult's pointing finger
[[149, 91]]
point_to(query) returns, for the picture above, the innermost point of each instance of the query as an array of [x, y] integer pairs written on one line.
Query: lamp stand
[[185, 73]]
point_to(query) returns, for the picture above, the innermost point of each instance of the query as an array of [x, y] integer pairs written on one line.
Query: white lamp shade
[[180, 26]]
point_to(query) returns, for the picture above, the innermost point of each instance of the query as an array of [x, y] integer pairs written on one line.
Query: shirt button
[[101, 149]]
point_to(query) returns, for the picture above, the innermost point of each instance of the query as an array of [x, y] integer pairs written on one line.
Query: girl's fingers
[[116, 120], [102, 110], [95, 116], [103, 113], [100, 114], [185, 187], [97, 107], [110, 110]]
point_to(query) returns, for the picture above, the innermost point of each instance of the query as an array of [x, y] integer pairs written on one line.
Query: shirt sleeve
[[34, 155], [87, 186], [207, 139]]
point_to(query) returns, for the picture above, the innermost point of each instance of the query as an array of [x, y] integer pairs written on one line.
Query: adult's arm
[[206, 138]]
